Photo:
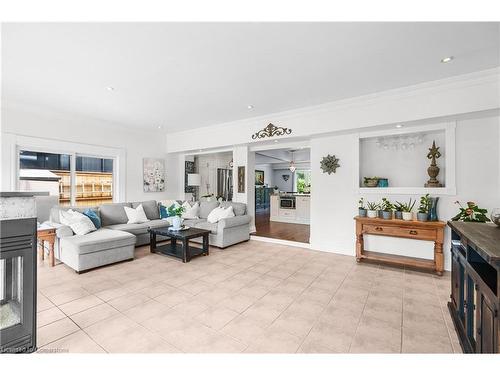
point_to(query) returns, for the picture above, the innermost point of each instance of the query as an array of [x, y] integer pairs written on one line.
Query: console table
[[475, 285], [417, 230]]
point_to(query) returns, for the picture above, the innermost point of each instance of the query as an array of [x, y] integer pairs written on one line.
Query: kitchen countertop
[[20, 194]]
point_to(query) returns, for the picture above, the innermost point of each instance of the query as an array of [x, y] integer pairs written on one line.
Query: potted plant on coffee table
[[176, 214], [361, 208], [372, 209], [406, 209], [423, 209], [387, 208]]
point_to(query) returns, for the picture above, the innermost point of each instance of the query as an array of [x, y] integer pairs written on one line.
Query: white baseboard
[[281, 242]]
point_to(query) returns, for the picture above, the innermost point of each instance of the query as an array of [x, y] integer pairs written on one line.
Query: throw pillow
[[190, 212], [220, 213], [163, 211], [136, 215], [78, 222], [93, 216]]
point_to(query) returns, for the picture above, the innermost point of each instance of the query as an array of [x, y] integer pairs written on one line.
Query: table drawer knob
[[380, 229], [414, 232]]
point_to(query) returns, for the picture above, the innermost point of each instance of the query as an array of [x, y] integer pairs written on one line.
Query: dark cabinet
[[262, 198], [475, 286]]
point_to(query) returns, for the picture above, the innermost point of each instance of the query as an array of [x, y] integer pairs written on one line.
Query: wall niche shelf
[[401, 156]]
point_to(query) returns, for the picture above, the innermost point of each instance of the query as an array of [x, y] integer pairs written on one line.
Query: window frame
[[73, 149]]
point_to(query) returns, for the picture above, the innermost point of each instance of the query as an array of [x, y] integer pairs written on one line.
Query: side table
[[49, 235]]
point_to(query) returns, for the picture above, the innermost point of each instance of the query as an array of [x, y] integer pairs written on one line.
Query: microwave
[[287, 202]]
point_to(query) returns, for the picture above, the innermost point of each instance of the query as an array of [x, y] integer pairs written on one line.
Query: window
[[303, 181], [92, 183]]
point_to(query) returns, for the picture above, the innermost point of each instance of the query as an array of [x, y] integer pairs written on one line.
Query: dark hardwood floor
[[282, 231]]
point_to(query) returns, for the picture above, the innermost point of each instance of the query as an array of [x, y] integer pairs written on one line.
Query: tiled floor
[[255, 297]]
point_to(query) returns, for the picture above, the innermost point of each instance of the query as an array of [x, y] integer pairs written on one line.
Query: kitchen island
[[290, 208]]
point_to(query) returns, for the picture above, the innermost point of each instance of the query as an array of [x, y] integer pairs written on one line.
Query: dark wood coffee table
[[183, 250]]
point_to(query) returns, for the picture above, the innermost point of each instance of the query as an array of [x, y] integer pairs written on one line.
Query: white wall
[[268, 173], [85, 131], [280, 182], [403, 168], [334, 198]]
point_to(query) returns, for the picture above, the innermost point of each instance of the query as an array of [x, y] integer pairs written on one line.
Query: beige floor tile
[[110, 327], [263, 313], [244, 329], [190, 308], [54, 331], [128, 301], [275, 340], [336, 336], [214, 296], [93, 315], [68, 296], [197, 287], [49, 316], [146, 310], [216, 317], [43, 303], [239, 302], [157, 290], [173, 298], [136, 340], [109, 294], [80, 304], [376, 336], [414, 341], [78, 342]]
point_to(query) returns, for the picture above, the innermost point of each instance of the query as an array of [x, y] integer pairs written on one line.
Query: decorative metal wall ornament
[[271, 131], [285, 176], [433, 170], [329, 164]]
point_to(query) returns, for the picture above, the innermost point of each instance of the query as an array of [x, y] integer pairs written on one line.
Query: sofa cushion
[[94, 216], [113, 213], [99, 240], [193, 222], [135, 229], [212, 227], [158, 223], [206, 208], [150, 209], [239, 209], [55, 212]]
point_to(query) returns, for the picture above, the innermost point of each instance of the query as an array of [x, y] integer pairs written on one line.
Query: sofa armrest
[[61, 229], [234, 221]]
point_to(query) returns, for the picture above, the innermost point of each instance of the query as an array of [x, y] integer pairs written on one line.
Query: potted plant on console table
[[387, 208], [423, 209], [372, 209], [361, 207], [406, 209], [176, 214]]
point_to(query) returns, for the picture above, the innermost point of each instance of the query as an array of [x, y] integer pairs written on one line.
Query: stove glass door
[[11, 291]]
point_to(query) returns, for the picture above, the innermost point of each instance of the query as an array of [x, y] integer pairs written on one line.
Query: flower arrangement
[[176, 211], [471, 213], [361, 204]]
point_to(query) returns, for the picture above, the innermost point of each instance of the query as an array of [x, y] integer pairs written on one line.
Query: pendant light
[[292, 167]]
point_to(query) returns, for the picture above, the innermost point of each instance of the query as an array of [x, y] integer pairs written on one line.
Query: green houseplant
[[176, 213], [387, 208], [406, 209], [471, 213], [423, 209], [398, 210], [372, 209], [361, 208]]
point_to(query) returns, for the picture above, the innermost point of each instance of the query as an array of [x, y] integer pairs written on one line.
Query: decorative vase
[[380, 214], [398, 215], [407, 216], [387, 215], [383, 182], [433, 209], [362, 212], [495, 216], [372, 214], [176, 222], [422, 216]]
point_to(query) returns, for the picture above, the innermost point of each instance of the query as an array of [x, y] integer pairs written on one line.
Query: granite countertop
[[20, 194]]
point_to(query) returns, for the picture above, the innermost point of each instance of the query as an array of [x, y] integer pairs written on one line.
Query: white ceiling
[[187, 75], [284, 155]]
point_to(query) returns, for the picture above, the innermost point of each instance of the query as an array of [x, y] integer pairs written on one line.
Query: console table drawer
[[421, 234]]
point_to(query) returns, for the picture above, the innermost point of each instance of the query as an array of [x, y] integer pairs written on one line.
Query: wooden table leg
[[152, 242], [205, 244], [438, 258], [51, 254], [359, 241], [41, 250], [185, 251]]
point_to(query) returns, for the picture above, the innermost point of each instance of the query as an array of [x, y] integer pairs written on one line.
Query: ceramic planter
[[398, 215], [407, 216], [422, 216], [387, 215], [362, 212], [176, 222], [371, 214], [380, 214]]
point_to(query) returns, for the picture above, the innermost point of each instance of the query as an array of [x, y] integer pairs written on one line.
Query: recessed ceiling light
[[399, 126], [159, 126], [249, 106], [110, 88], [447, 59], [275, 141], [200, 150]]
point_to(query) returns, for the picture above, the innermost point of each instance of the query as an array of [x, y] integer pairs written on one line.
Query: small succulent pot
[[407, 216], [362, 212], [380, 214], [398, 215], [387, 215], [422, 216], [371, 214]]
